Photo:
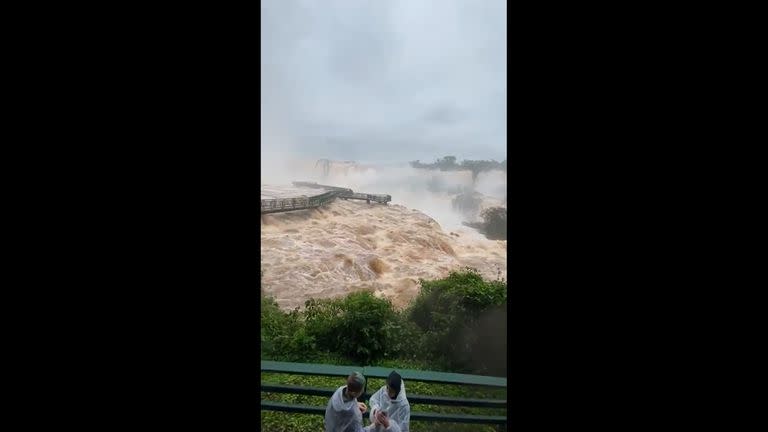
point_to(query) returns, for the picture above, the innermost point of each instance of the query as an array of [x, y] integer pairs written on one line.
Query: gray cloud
[[384, 79]]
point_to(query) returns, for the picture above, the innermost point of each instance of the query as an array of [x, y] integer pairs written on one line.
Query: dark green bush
[[495, 221], [356, 326], [451, 311], [404, 338], [455, 324], [283, 335]]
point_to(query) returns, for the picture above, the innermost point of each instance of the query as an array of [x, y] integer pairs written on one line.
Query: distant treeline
[[448, 163]]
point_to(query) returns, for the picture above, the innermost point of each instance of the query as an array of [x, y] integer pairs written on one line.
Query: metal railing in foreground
[[379, 372]]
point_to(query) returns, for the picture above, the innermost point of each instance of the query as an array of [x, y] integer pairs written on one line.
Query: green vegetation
[[495, 223], [453, 316], [284, 335], [448, 163], [442, 327], [455, 324], [355, 326]]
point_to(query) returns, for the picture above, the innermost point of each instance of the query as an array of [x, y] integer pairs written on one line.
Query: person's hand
[[382, 419], [362, 407]]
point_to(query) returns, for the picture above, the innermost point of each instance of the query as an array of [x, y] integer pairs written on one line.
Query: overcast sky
[[387, 80]]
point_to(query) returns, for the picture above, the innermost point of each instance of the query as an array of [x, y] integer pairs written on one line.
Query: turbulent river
[[351, 245]]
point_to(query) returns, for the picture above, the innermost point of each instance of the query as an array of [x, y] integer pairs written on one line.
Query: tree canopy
[[448, 163]]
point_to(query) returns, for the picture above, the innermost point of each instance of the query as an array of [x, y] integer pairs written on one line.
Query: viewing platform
[[308, 195]]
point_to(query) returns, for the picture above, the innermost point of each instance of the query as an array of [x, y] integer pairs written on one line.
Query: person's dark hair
[[394, 381], [356, 381]]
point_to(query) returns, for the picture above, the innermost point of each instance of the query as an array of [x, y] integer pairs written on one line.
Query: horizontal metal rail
[[452, 401], [303, 202], [300, 203], [292, 408], [458, 418], [412, 398], [347, 193], [319, 186], [309, 391], [367, 197], [423, 416], [380, 372]]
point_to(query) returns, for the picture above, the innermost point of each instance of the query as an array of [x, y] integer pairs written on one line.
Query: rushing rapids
[[348, 246]]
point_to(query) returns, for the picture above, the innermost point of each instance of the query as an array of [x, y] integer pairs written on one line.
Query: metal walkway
[[308, 202]]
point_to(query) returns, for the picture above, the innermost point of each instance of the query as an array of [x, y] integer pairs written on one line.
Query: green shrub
[[495, 221], [283, 335], [455, 324], [355, 326], [404, 338], [452, 314]]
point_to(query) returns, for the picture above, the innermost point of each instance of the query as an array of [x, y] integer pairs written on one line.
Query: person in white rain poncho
[[345, 414], [391, 399]]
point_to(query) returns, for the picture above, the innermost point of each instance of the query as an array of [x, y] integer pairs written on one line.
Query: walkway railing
[[379, 372], [304, 202], [299, 203]]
